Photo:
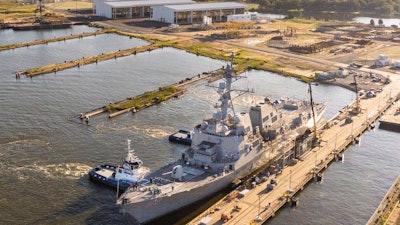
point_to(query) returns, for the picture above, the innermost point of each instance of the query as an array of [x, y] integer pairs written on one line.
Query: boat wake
[[71, 171], [157, 132]]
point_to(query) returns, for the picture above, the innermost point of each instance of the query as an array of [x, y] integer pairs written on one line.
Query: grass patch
[[70, 5], [147, 98]]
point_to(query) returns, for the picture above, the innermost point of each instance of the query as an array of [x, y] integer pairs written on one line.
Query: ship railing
[[220, 135], [161, 181]]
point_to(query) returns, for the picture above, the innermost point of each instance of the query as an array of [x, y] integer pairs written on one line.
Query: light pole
[[258, 206], [258, 218], [316, 154], [117, 190]]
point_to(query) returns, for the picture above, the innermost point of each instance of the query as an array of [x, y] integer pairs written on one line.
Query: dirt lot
[[259, 37]]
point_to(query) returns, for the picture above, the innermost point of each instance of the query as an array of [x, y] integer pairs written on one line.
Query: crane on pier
[[357, 108], [316, 137]]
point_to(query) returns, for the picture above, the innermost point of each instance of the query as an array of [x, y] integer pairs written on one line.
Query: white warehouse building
[[194, 13], [131, 9], [169, 11]]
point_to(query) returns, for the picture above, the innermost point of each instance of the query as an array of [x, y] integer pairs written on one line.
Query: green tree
[[380, 22], [372, 22]]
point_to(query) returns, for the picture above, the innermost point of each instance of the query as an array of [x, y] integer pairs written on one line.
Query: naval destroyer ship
[[224, 148]]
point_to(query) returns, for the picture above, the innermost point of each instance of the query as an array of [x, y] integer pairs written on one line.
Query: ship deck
[[161, 180], [105, 172]]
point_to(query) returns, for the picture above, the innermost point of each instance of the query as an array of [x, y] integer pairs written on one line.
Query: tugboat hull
[[105, 174]]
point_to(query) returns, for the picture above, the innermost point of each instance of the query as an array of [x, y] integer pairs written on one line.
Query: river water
[[45, 152]]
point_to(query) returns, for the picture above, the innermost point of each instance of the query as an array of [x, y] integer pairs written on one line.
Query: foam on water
[[54, 171]]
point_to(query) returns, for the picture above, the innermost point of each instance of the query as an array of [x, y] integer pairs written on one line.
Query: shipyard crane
[[357, 109], [313, 114]]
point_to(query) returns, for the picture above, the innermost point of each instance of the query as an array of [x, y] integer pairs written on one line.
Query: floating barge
[[181, 137]]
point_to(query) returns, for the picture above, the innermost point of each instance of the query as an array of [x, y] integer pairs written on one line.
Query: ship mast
[[225, 92]]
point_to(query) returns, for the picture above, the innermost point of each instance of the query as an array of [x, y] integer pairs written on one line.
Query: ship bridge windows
[[265, 119], [275, 118]]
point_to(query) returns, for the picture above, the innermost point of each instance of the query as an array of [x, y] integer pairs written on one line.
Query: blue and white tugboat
[[120, 177]]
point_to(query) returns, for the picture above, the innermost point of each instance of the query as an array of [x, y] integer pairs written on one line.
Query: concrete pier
[[388, 211], [259, 204]]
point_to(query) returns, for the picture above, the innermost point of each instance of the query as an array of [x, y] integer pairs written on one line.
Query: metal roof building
[[194, 13], [130, 9]]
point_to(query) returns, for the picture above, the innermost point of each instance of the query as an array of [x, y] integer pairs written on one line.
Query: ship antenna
[[129, 144], [225, 89]]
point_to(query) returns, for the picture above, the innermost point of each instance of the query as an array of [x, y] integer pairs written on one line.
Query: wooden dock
[[259, 204], [388, 205]]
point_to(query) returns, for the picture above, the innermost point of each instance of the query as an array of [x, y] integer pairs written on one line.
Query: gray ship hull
[[146, 211]]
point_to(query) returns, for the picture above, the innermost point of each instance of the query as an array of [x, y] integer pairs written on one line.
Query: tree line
[[384, 7]]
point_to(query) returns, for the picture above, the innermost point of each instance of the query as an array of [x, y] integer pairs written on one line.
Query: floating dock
[[388, 211], [259, 203], [391, 119]]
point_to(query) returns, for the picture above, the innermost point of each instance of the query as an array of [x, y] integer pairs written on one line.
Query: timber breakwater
[[87, 60], [46, 41]]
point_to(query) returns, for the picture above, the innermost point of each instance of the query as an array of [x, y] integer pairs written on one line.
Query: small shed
[[383, 60]]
